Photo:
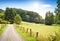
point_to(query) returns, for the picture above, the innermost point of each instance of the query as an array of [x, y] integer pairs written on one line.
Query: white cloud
[[36, 7], [39, 8], [46, 5]]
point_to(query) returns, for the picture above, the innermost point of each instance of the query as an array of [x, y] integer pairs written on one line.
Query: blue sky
[[39, 6]]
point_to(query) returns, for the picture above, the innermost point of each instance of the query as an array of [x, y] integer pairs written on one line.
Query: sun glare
[[36, 5]]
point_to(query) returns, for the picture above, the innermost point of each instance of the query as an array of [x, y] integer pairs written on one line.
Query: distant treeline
[[28, 16], [14, 15]]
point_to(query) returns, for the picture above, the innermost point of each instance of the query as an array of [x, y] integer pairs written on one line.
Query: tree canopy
[[49, 19], [10, 14], [58, 12], [29, 16]]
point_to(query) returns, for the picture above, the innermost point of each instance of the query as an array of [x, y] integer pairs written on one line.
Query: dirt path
[[10, 35]]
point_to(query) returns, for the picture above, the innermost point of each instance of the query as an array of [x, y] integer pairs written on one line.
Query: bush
[[17, 19]]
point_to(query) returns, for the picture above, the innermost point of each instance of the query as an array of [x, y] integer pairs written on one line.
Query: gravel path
[[10, 34]]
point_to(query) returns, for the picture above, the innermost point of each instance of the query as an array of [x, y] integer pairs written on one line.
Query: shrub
[[17, 19]]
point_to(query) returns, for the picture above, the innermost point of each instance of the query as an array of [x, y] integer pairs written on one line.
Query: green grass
[[2, 28], [26, 36], [46, 32]]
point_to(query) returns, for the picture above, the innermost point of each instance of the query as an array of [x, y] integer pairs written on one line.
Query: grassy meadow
[[45, 32]]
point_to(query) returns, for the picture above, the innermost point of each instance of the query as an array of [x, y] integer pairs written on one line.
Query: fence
[[30, 31]]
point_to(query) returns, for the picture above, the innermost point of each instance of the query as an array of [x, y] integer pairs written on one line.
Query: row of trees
[[58, 12], [13, 15], [2, 17], [50, 18], [28, 16], [10, 14]]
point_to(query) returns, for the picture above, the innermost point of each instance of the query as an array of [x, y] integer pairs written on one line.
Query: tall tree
[[49, 19], [58, 12], [10, 14]]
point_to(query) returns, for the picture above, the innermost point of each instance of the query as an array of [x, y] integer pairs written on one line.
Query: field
[[45, 32]]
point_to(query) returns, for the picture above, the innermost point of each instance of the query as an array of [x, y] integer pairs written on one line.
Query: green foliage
[[58, 12], [29, 16], [42, 21], [3, 21], [2, 15], [17, 19], [1, 10], [10, 14], [49, 19]]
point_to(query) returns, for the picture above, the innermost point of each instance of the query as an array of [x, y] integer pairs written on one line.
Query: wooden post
[[27, 30], [23, 29], [30, 32], [36, 34]]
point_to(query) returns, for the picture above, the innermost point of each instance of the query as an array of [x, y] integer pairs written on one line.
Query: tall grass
[[46, 33], [2, 28], [24, 35]]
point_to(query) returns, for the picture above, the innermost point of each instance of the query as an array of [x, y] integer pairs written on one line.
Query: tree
[[49, 19], [10, 14], [58, 12], [55, 17], [42, 21], [29, 16], [1, 10], [17, 19]]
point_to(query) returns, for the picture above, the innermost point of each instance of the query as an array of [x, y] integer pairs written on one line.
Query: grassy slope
[[41, 28], [44, 30], [46, 33], [2, 28], [26, 36]]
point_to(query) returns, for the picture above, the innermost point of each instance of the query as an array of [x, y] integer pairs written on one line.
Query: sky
[[39, 6]]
